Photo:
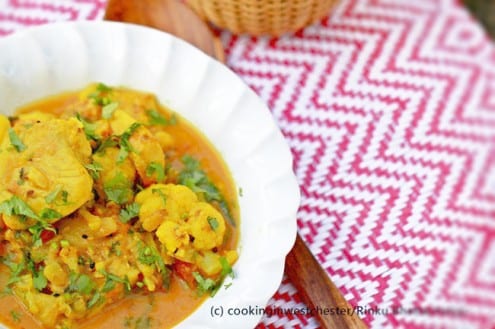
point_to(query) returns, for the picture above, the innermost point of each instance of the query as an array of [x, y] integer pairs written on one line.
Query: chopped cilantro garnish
[[65, 196], [36, 231], [129, 212], [97, 298], [16, 316], [149, 255], [21, 179], [16, 141], [99, 96], [101, 87], [204, 285], [226, 268], [107, 110], [156, 118], [49, 214], [88, 127], [16, 269], [16, 206], [50, 198], [196, 179], [111, 279], [115, 248], [81, 283], [125, 145], [39, 280], [94, 169], [213, 223], [118, 189], [157, 168], [106, 143]]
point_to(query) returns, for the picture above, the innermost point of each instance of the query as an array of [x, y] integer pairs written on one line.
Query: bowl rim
[[99, 41]]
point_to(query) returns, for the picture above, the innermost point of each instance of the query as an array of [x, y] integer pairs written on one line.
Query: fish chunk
[[48, 172]]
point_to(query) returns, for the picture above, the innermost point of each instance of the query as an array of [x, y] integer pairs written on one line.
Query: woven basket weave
[[259, 17]]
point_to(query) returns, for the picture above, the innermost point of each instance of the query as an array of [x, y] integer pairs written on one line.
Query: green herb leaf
[[50, 198], [103, 88], [88, 127], [16, 316], [115, 248], [129, 212], [157, 168], [149, 255], [196, 179], [39, 281], [111, 279], [106, 143], [49, 214], [107, 110], [156, 118], [204, 285], [16, 269], [226, 268], [125, 145], [16, 141], [118, 189], [94, 169], [83, 284], [22, 178], [213, 223], [16, 206], [65, 196], [36, 231], [99, 96], [96, 299]]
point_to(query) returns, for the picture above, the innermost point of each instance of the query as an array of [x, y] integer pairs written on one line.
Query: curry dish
[[114, 213]]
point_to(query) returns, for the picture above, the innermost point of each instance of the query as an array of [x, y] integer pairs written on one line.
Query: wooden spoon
[[304, 271]]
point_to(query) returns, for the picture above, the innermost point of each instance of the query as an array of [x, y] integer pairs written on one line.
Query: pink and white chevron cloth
[[389, 109]]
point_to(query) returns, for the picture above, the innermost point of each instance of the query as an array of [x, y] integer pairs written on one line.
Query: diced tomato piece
[[185, 272], [47, 235]]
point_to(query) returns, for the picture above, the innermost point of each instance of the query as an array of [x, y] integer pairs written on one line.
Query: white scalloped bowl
[[50, 59]]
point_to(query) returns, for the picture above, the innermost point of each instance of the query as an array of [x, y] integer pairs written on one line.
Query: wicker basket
[[259, 17]]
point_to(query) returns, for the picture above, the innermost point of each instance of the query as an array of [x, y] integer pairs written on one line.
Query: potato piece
[[209, 263], [46, 308], [55, 274]]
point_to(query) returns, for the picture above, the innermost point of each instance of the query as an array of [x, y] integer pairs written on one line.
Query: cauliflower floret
[[206, 226], [183, 224], [174, 236], [164, 202]]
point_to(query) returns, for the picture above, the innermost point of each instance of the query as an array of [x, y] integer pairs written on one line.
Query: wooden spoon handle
[[318, 291]]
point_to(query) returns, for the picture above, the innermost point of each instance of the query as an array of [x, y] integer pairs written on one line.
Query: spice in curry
[[110, 204]]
